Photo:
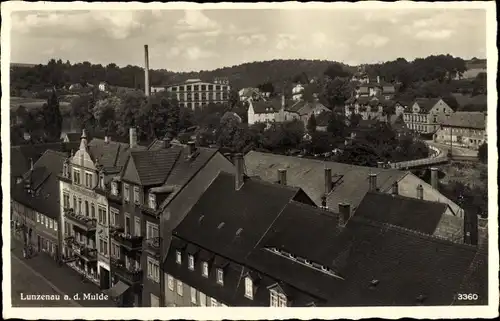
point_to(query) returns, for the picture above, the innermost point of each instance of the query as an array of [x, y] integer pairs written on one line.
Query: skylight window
[[220, 225]]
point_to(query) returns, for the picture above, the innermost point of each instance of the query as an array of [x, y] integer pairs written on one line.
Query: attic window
[[178, 257], [114, 188], [324, 268], [275, 250], [238, 232], [249, 288], [152, 201], [220, 225], [307, 262], [201, 218]]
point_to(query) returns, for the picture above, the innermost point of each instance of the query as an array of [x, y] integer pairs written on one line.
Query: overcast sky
[[185, 40]]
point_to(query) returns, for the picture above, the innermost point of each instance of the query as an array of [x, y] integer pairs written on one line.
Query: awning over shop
[[117, 290]]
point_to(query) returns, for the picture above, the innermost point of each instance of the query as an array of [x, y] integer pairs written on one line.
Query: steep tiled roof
[[265, 107], [350, 182], [304, 107], [111, 155], [426, 104], [464, 119], [410, 213], [44, 179], [153, 166], [252, 209]]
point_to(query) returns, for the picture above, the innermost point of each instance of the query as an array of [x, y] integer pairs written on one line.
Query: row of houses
[[140, 222]]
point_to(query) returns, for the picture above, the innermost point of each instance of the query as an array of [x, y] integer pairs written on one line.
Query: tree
[[336, 126], [52, 119], [311, 124], [482, 153], [335, 92], [480, 84], [336, 70], [266, 87], [359, 153]]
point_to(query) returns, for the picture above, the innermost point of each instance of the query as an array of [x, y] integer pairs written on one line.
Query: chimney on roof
[[323, 202], [83, 141], [191, 148], [328, 180], [146, 70], [133, 137], [283, 101], [240, 170], [282, 176], [345, 212], [395, 189], [378, 79], [372, 179], [420, 192], [107, 139], [434, 178]]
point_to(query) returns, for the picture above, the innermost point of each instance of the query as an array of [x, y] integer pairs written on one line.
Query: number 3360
[[468, 296]]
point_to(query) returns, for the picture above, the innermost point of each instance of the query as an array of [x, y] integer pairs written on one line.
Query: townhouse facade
[[222, 256], [34, 205], [84, 208], [154, 190], [465, 129], [425, 115], [195, 93]]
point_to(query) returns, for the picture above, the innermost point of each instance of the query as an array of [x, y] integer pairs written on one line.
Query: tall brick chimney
[[434, 178], [395, 188], [420, 192], [282, 176], [240, 170], [328, 180], [146, 70]]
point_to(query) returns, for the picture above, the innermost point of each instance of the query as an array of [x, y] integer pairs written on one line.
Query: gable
[[441, 106], [130, 173]]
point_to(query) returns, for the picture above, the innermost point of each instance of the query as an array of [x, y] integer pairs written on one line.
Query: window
[[213, 302], [74, 203], [92, 209], [115, 250], [178, 257], [277, 299], [65, 200], [80, 206], [46, 221], [114, 188], [203, 299], [191, 262], [137, 226], [127, 223], [114, 217], [153, 269], [136, 195], [204, 271], [87, 210], [76, 177], [193, 295], [105, 248], [151, 230], [170, 282], [152, 201], [248, 288], [38, 217], [88, 180], [179, 288], [51, 223], [101, 246], [102, 214], [126, 192], [55, 225], [220, 276]]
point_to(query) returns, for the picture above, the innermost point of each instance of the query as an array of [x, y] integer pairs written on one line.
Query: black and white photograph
[[249, 156]]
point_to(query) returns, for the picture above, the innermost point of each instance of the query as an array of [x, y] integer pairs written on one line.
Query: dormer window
[[204, 269], [307, 262], [126, 192], [277, 299], [76, 177], [114, 188], [220, 276], [178, 257], [191, 262], [101, 180], [152, 201], [249, 288]]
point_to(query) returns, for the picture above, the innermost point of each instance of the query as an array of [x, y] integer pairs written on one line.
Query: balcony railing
[[83, 222], [128, 241], [117, 198], [127, 274], [88, 254]]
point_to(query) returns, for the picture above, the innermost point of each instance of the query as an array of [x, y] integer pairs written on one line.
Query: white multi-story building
[[195, 93]]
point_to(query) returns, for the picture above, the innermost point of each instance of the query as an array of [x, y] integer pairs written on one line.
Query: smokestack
[[282, 176], [434, 178], [240, 170], [373, 182], [283, 101], [395, 190], [146, 70], [133, 137], [328, 180], [420, 192], [345, 212], [191, 148], [323, 202], [378, 79]]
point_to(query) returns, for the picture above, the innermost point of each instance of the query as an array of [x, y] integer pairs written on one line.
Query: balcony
[[85, 223], [116, 198], [129, 275], [146, 209], [153, 246], [128, 241], [84, 252]]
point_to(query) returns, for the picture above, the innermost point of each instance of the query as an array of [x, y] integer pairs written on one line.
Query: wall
[[465, 137], [181, 205]]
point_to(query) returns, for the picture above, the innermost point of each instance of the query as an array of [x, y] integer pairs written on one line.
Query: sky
[[192, 40]]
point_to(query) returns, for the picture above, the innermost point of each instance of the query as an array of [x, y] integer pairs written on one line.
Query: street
[[41, 275], [457, 151]]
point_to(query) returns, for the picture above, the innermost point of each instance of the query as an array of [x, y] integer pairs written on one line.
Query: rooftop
[[464, 119]]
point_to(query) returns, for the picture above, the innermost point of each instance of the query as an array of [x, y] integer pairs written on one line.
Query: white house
[[297, 92]]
